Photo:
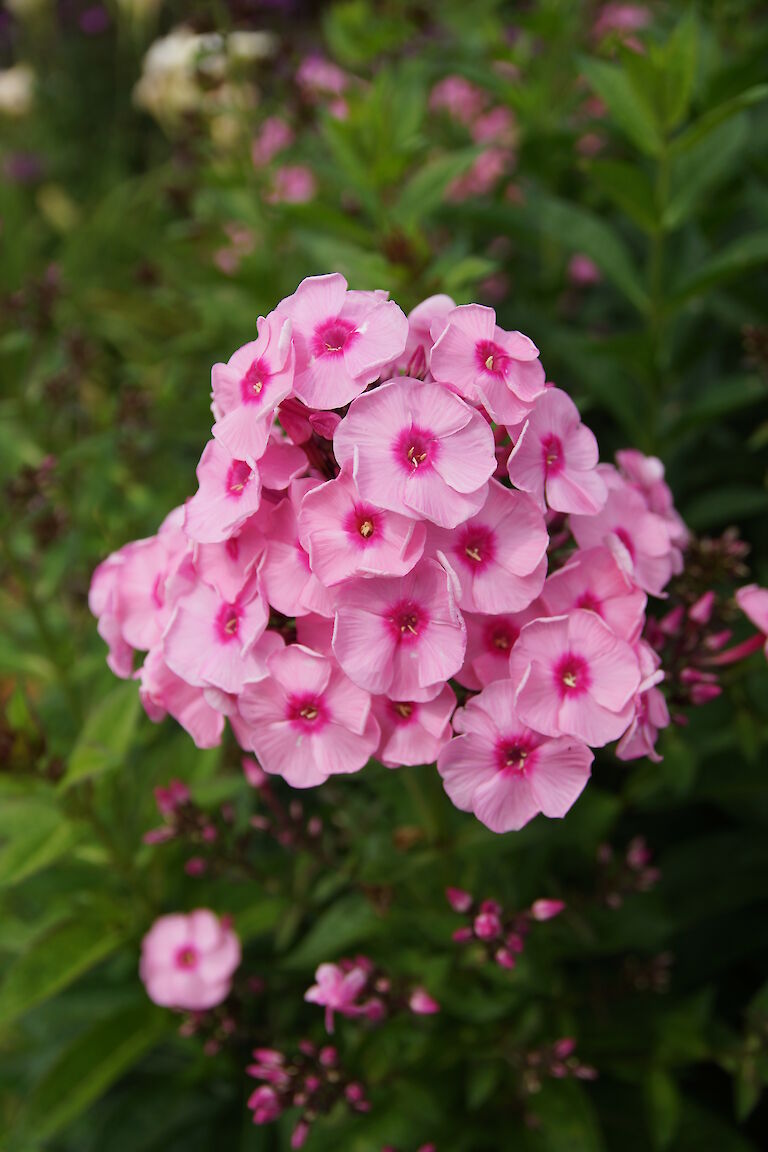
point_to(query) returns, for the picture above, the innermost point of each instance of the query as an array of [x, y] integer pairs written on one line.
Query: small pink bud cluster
[[502, 935], [630, 872], [310, 1079], [491, 125], [376, 513], [356, 988], [692, 638], [557, 1061], [289, 825], [209, 835]]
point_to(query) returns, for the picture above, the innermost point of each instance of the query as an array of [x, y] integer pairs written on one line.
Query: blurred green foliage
[[114, 302]]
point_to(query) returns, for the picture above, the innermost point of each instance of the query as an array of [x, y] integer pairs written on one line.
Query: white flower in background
[[174, 66], [17, 90]]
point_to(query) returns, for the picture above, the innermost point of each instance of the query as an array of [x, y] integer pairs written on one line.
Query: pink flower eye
[[491, 357], [572, 675], [366, 528], [238, 477], [404, 708], [186, 957], [331, 337]]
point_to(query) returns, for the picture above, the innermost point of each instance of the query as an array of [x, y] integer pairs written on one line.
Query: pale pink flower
[[499, 555], [621, 19], [281, 463], [213, 642], [459, 97], [753, 602], [104, 604], [229, 492], [292, 184], [490, 640], [503, 771], [484, 174], [425, 322], [582, 271], [646, 473], [229, 565], [345, 536], [308, 721], [412, 731], [417, 449], [289, 582], [187, 962], [497, 126], [574, 677], [555, 457], [249, 387], [640, 538], [651, 712], [343, 339], [594, 578], [400, 636], [163, 693], [317, 76], [337, 990], [487, 365], [422, 1004], [275, 135]]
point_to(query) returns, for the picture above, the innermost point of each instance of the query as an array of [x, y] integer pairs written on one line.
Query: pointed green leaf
[[710, 120], [106, 735], [628, 106], [739, 256]]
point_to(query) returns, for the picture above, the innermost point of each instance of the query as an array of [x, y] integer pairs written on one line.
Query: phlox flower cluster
[[500, 934], [354, 987], [491, 127], [392, 513]]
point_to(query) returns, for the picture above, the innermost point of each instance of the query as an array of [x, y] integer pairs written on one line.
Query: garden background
[[616, 210]]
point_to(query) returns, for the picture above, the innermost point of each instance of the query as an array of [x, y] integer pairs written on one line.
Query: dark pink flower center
[[416, 450], [491, 357], [402, 711], [254, 381], [515, 754], [232, 548], [572, 676], [589, 601], [239, 477], [228, 622], [408, 620], [500, 636], [361, 524], [187, 957], [477, 546], [332, 336], [552, 455], [307, 712]]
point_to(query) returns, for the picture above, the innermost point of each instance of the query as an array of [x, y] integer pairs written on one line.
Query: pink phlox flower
[[646, 473], [281, 463], [753, 602], [213, 642], [337, 990], [575, 677], [425, 322], [398, 637], [346, 536], [487, 365], [499, 555], [481, 178], [229, 492], [417, 449], [582, 271], [412, 731], [163, 693], [292, 184], [555, 457], [651, 712], [343, 339], [308, 721], [502, 770], [274, 136], [228, 565], [289, 582], [460, 98], [639, 538], [317, 76], [490, 640], [187, 961], [497, 126], [249, 387], [422, 1004], [620, 19], [594, 578]]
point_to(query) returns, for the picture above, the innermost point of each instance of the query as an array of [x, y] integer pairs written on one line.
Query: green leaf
[[90, 1065], [346, 923], [695, 173], [747, 1089], [424, 191], [581, 231], [737, 257], [629, 187], [37, 835], [567, 1122], [53, 961], [663, 1107], [706, 124], [627, 105], [725, 505], [679, 58], [106, 735]]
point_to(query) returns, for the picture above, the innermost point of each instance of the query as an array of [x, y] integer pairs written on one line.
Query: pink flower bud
[[492, 907], [458, 899], [546, 909], [505, 959], [354, 1092], [703, 693], [515, 942], [328, 1056], [701, 611], [300, 1133], [671, 623], [563, 1048], [422, 1004], [255, 776], [461, 935], [195, 866], [487, 925], [374, 1010]]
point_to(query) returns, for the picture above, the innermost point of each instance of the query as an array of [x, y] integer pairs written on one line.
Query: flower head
[[187, 962]]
